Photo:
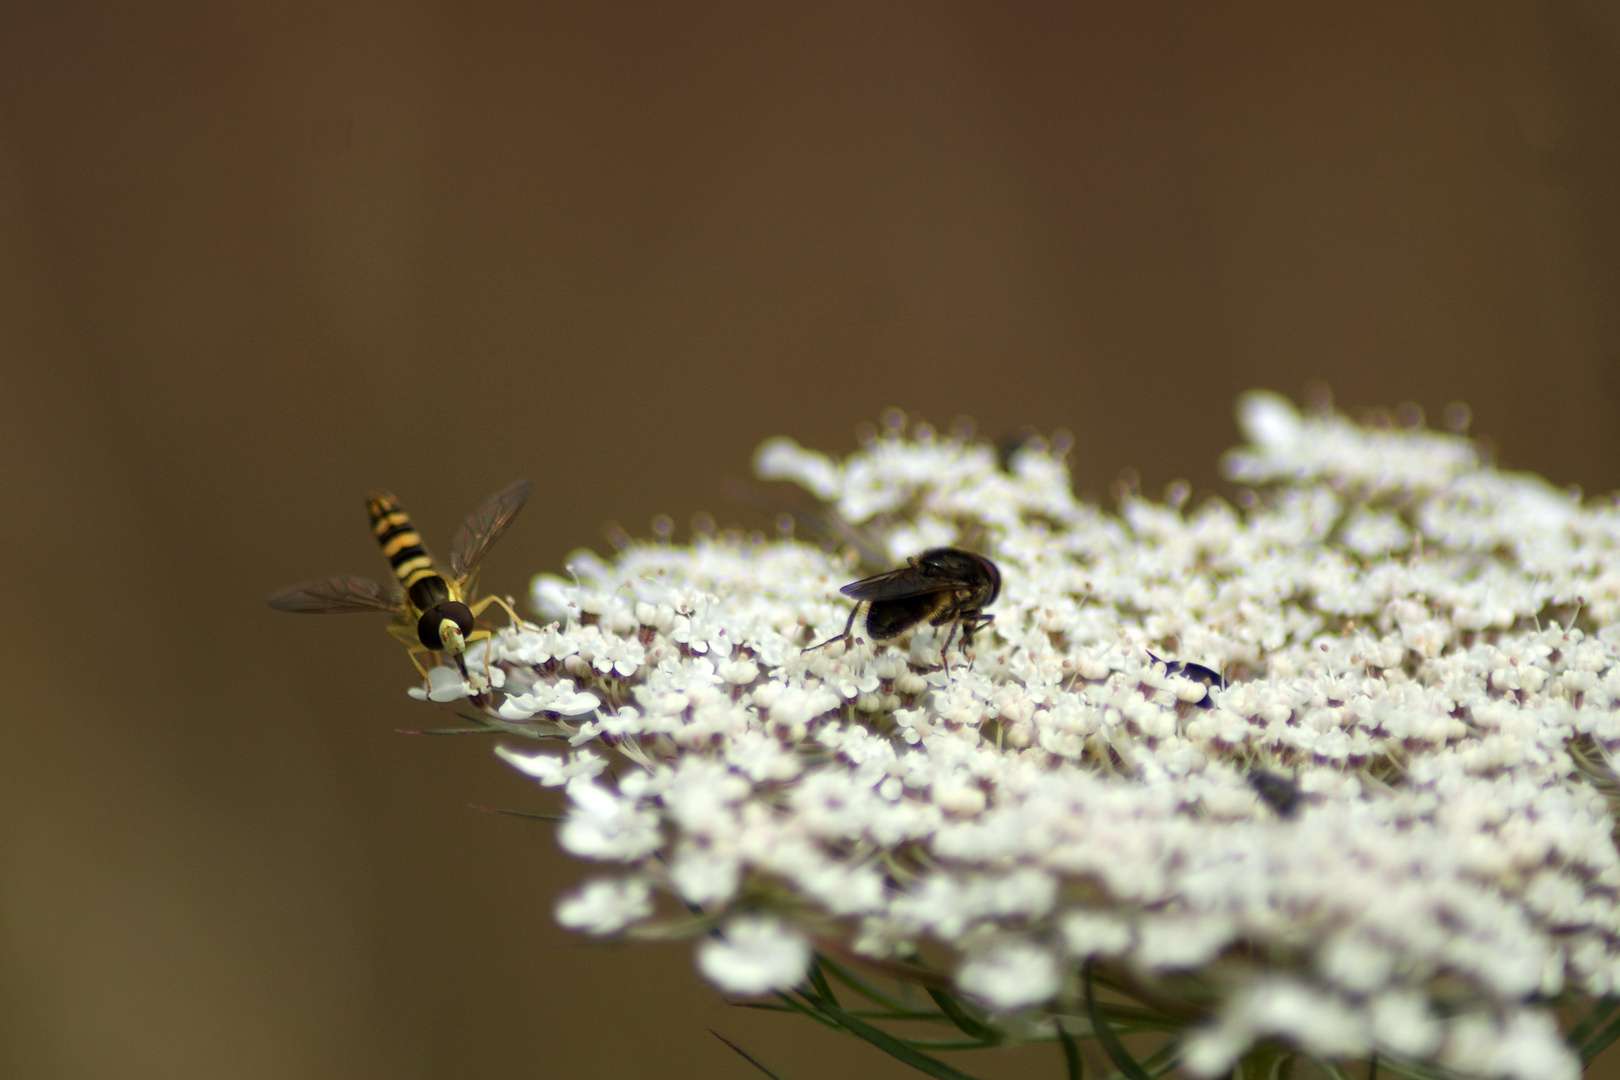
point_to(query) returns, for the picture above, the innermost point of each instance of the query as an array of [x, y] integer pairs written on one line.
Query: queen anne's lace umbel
[[1423, 645]]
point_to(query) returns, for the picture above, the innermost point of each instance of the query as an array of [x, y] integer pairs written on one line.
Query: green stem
[[1127, 1065], [861, 986], [1071, 1054], [968, 1025]]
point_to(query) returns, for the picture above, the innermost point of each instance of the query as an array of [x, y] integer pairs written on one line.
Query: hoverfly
[[942, 585], [433, 615]]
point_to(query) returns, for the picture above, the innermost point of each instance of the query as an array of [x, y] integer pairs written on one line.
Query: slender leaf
[[1163, 1059], [1127, 1065], [527, 730], [1600, 1040], [762, 1005], [1136, 1017], [818, 979], [745, 1055], [944, 1044], [895, 1048], [446, 731], [1159, 1062], [1372, 1066], [1071, 1053], [931, 1015], [864, 988], [968, 1025], [1602, 1009], [800, 1007], [535, 814]]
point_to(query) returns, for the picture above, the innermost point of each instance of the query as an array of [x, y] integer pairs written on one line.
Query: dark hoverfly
[[942, 585], [433, 615]]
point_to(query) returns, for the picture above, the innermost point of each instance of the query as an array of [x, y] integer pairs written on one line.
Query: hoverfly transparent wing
[[334, 595], [818, 521], [483, 527]]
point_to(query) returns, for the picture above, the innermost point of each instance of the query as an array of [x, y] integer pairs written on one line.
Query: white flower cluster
[[1386, 833]]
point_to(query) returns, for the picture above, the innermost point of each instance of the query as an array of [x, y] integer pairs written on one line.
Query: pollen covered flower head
[[1331, 769]]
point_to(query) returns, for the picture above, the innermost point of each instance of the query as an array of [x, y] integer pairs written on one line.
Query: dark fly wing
[[896, 584], [335, 595], [484, 526]]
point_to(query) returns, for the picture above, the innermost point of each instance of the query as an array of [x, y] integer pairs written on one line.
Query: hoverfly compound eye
[[429, 627], [444, 627], [993, 576]]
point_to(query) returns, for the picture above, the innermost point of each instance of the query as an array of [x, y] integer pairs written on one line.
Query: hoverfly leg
[[505, 605], [970, 625], [488, 639], [945, 651], [416, 653], [517, 620], [488, 635], [844, 637]]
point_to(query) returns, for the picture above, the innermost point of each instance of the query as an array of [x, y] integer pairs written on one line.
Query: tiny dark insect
[[1198, 673], [1277, 792], [942, 585]]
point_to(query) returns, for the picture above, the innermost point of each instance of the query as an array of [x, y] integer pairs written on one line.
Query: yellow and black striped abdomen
[[404, 551]]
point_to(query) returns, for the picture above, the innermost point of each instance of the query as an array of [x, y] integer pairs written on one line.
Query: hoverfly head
[[444, 627]]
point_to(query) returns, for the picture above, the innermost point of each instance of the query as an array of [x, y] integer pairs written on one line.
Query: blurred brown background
[[256, 260]]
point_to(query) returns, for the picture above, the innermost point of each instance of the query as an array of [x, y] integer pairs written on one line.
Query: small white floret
[[1011, 973], [559, 697], [604, 825], [444, 684], [755, 954], [1094, 933], [784, 459], [606, 905], [1269, 420], [554, 770]]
